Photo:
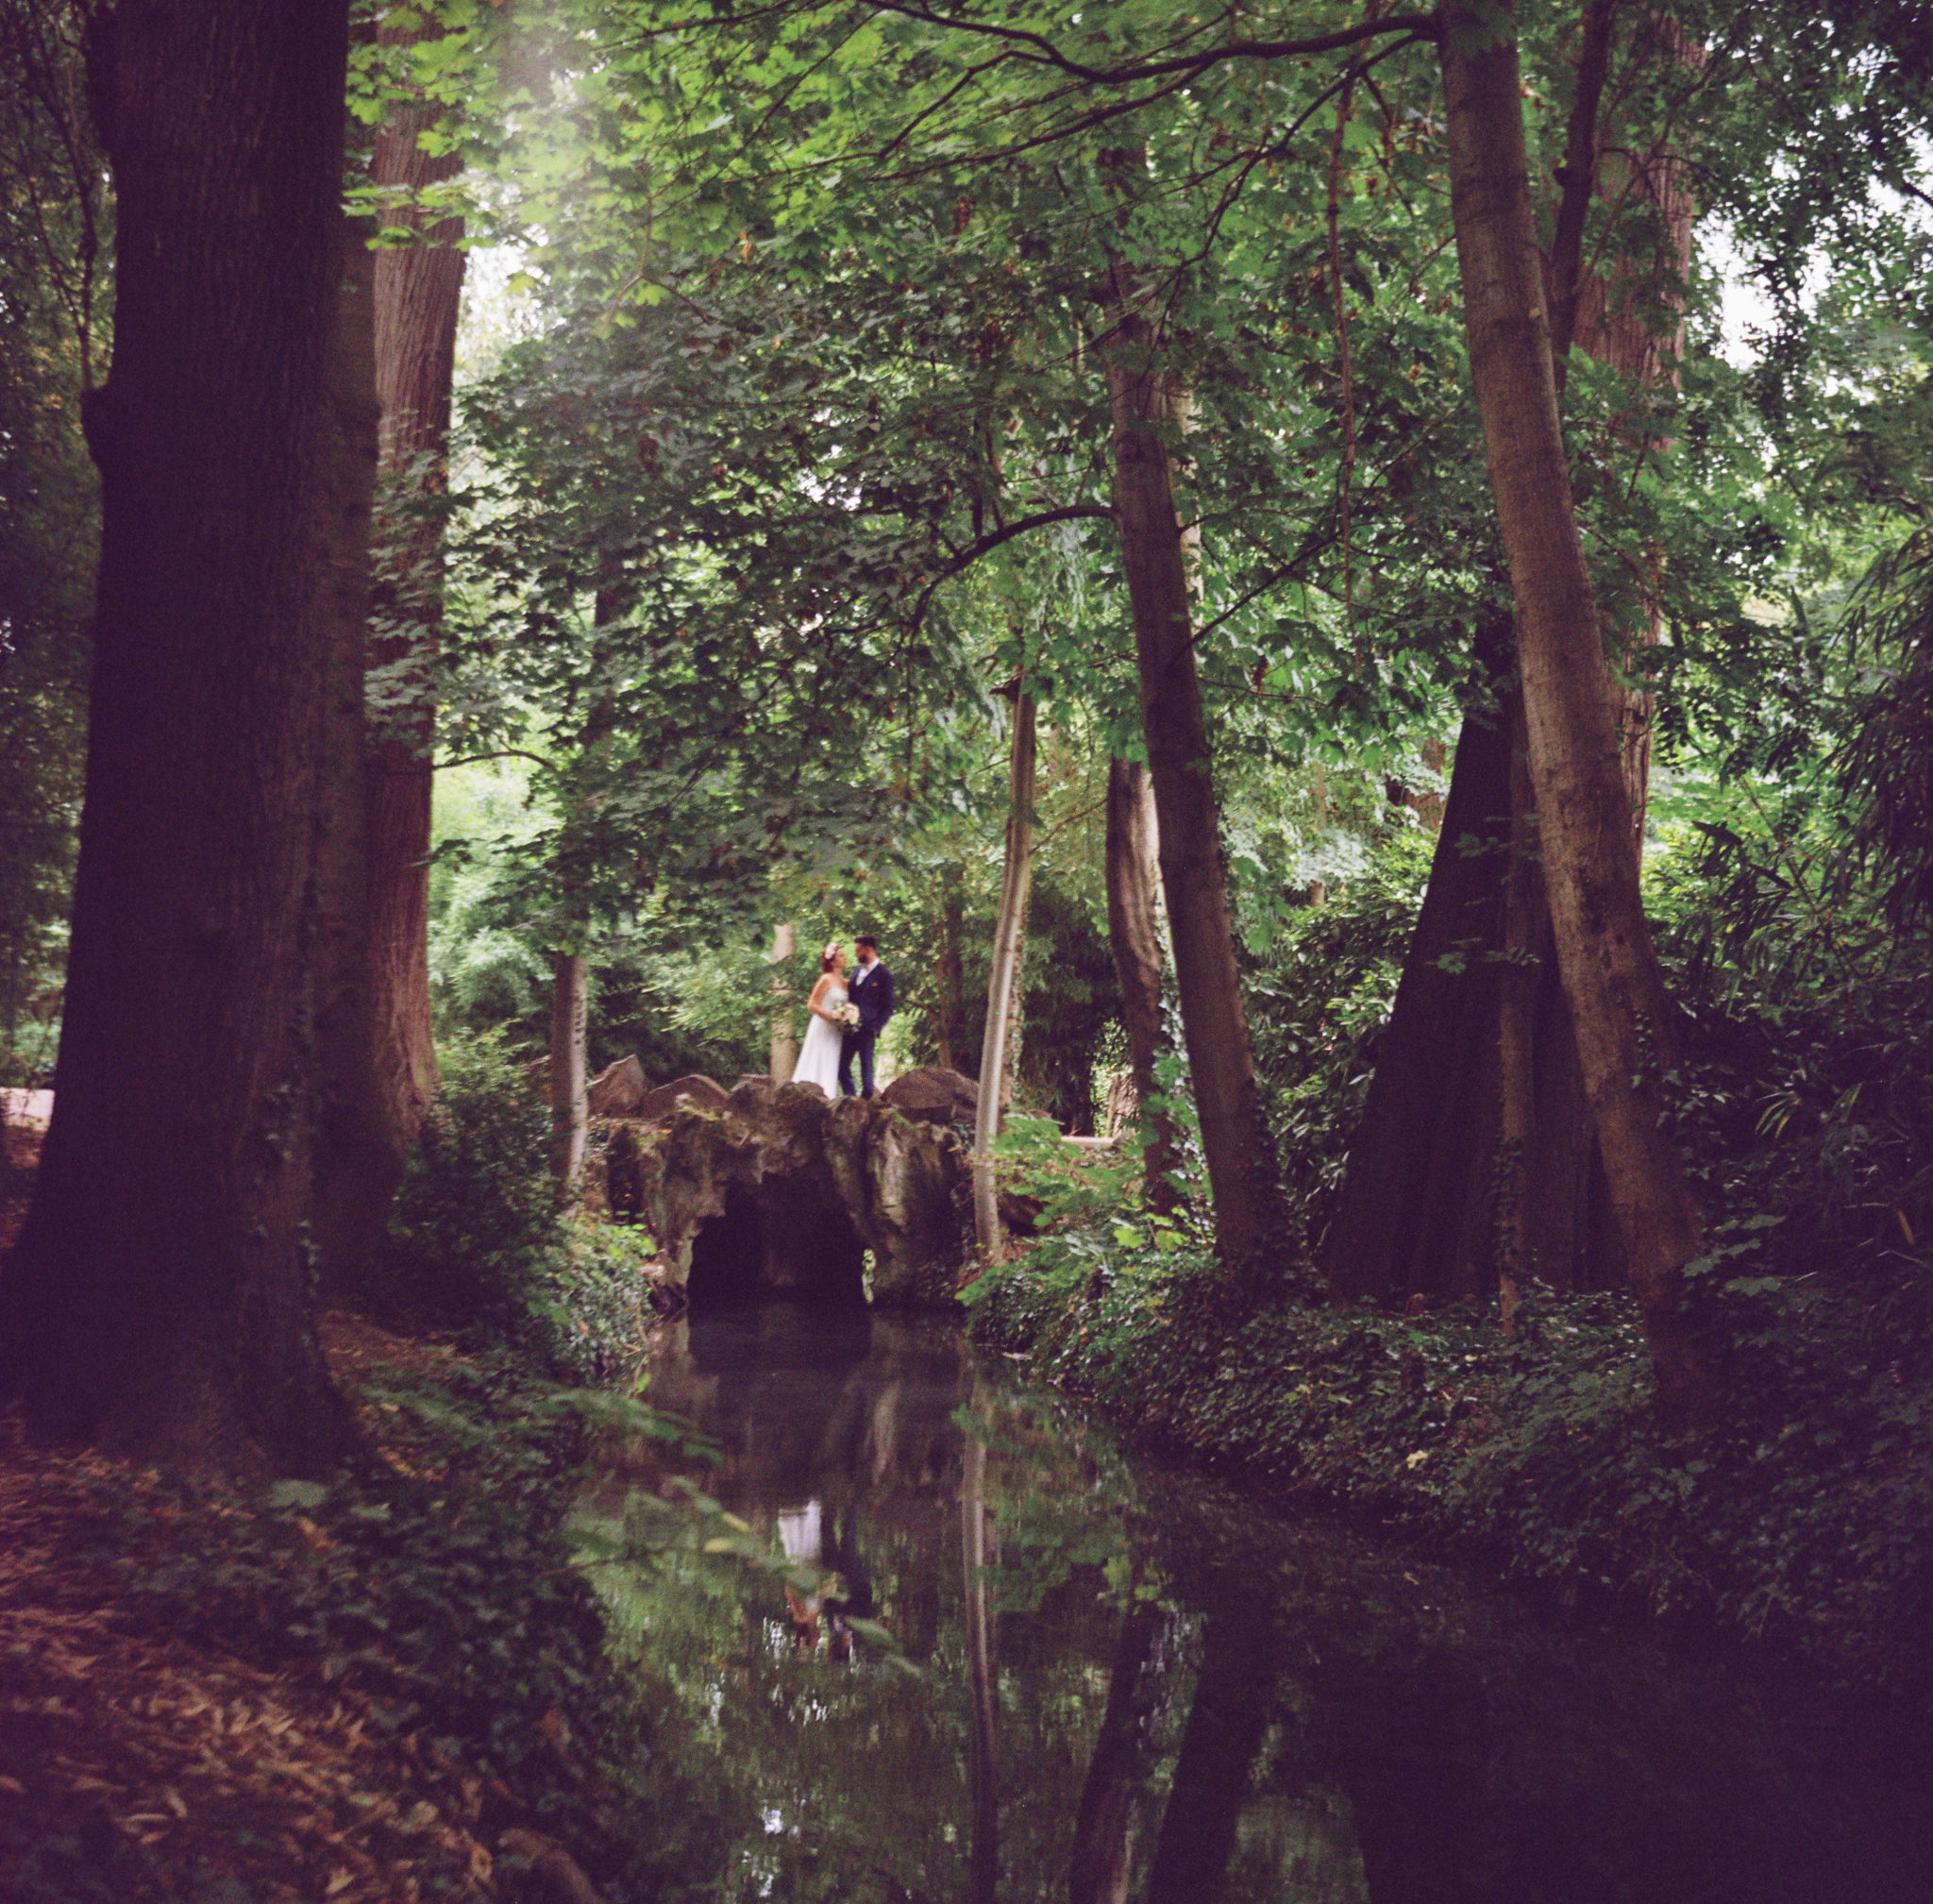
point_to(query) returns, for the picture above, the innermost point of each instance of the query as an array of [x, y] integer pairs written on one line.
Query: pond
[[1109, 1679]]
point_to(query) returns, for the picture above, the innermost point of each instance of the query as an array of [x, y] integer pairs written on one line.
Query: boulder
[[935, 1095], [617, 1090], [653, 1107], [782, 1192]]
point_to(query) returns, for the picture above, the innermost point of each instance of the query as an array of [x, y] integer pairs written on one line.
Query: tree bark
[[569, 1111], [1604, 955], [1248, 1225], [354, 1180], [159, 1300], [1606, 316], [418, 292], [784, 1050], [1474, 1162], [1133, 931], [1009, 935]]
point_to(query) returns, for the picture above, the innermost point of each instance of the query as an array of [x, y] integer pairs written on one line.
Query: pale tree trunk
[[418, 291], [784, 1052], [1609, 968], [570, 1109], [1009, 936], [158, 1299], [983, 1678], [1133, 932], [353, 1179], [1248, 1225]]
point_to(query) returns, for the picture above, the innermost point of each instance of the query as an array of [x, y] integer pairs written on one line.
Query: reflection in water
[[1135, 1684]]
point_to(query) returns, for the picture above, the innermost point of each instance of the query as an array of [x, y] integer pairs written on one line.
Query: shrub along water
[[1805, 1103]]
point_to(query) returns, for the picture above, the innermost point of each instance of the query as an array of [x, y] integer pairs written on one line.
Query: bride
[[819, 1058]]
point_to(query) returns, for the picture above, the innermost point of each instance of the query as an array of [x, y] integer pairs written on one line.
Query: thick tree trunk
[[1475, 1161], [159, 1300], [1003, 973], [1604, 955], [1133, 932], [418, 291], [354, 1178], [1248, 1225], [570, 1114]]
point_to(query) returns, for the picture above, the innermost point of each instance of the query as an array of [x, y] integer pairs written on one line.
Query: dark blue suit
[[870, 988]]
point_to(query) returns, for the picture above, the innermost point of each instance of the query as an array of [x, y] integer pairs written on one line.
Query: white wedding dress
[[818, 1057]]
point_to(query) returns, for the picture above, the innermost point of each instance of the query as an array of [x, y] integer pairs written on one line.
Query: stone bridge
[[777, 1191]]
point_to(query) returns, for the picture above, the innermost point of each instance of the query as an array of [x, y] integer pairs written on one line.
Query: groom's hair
[[867, 939]]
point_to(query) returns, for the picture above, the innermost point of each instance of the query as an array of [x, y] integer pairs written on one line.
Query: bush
[[475, 1227]]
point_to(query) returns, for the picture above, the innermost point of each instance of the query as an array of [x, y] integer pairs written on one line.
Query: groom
[[870, 988]]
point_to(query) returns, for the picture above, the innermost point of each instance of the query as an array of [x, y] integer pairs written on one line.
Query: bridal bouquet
[[848, 1017]]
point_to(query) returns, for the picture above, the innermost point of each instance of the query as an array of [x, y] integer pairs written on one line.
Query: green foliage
[[475, 1223], [587, 1302]]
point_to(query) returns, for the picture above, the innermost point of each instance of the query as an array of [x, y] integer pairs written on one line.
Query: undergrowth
[[1804, 1519]]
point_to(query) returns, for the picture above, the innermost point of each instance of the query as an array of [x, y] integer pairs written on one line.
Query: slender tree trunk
[[159, 1300], [1009, 932], [1619, 1012], [418, 291], [570, 1114], [1133, 931], [353, 1177], [1249, 1223], [1611, 316], [983, 1678], [784, 1053]]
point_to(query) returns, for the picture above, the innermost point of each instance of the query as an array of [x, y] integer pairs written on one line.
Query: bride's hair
[[829, 957]]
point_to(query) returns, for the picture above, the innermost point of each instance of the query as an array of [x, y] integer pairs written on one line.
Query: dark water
[[1127, 1682]]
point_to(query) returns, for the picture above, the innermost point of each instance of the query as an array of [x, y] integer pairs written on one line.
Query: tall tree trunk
[[1612, 317], [570, 1114], [353, 1181], [158, 1299], [784, 1050], [1610, 972], [982, 1678], [1133, 932], [1475, 1161], [1003, 972], [1249, 1222], [418, 291]]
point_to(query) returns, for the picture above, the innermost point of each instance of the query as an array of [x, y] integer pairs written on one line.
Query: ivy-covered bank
[[1813, 1534]]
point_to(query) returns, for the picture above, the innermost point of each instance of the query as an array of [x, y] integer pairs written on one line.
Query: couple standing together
[[847, 1018]]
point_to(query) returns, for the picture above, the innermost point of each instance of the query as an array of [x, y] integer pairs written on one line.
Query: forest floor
[[146, 1754]]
